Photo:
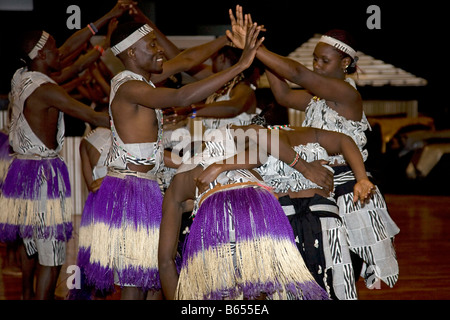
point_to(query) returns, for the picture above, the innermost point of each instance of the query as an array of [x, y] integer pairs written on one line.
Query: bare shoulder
[[135, 92], [131, 87], [353, 93], [49, 90], [48, 95]]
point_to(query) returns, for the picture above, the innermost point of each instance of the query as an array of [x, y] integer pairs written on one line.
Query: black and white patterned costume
[[36, 191], [320, 234], [137, 153], [371, 230]]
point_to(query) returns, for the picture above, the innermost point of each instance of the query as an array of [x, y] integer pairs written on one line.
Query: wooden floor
[[422, 247]]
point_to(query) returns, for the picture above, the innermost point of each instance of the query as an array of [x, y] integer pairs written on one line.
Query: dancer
[[331, 102], [126, 222], [312, 212], [240, 245], [36, 190], [93, 151]]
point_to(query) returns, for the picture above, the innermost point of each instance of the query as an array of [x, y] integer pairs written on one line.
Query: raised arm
[[140, 93], [81, 36], [284, 95], [87, 59], [190, 58], [78, 66], [327, 88]]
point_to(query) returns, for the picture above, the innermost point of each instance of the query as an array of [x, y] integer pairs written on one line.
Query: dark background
[[413, 37], [412, 34]]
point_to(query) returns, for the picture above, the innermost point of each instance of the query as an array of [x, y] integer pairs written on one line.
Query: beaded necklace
[[226, 87], [277, 127]]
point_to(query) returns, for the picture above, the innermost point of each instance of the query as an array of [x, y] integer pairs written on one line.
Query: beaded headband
[[131, 39], [39, 45], [339, 45]]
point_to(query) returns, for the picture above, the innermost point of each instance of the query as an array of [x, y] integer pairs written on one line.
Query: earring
[[345, 70]]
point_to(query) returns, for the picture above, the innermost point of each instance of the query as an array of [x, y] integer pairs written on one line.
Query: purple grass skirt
[[4, 147], [241, 245], [36, 200], [119, 234], [85, 231]]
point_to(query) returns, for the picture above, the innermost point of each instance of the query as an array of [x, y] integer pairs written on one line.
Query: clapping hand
[[240, 26], [251, 45]]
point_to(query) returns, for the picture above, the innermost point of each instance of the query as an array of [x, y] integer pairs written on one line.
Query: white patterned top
[[100, 139], [120, 153], [282, 178], [22, 138], [319, 115]]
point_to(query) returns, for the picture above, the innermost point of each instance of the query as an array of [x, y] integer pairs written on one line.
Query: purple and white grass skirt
[[36, 200], [240, 246], [119, 233]]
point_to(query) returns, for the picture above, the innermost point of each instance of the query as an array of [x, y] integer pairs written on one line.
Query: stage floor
[[422, 247]]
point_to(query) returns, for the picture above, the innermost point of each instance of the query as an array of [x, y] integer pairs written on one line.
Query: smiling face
[[147, 54], [328, 62]]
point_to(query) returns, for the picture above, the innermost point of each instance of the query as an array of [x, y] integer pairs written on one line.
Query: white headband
[[39, 45], [131, 39], [339, 45]]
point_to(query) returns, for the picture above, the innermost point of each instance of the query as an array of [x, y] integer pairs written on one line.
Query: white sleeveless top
[[319, 115], [22, 138], [100, 139], [121, 153]]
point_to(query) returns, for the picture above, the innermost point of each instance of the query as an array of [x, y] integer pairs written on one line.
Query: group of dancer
[[303, 221]]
